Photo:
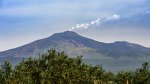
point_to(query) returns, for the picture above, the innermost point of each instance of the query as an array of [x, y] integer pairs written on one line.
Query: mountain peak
[[69, 33], [65, 34]]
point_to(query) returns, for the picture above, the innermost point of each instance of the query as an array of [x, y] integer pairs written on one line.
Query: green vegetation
[[57, 68]]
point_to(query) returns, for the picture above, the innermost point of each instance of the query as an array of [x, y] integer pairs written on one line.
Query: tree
[[6, 72], [58, 68], [142, 75]]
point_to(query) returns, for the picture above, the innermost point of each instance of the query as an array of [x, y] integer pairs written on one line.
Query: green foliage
[[122, 77], [142, 75], [57, 68]]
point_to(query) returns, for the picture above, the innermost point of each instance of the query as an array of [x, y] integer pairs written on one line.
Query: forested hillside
[[57, 68]]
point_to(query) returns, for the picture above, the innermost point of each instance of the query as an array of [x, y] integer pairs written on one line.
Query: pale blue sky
[[23, 21]]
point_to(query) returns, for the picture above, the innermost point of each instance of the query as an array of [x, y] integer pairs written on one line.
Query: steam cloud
[[86, 25], [94, 22]]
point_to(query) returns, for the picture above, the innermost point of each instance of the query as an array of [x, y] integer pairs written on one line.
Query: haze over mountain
[[94, 52]]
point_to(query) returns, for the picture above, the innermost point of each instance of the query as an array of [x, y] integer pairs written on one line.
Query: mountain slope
[[68, 40], [113, 56]]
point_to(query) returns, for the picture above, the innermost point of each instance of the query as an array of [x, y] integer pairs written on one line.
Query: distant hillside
[[68, 41], [73, 44]]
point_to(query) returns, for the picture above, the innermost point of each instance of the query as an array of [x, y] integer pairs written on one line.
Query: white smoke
[[86, 25], [98, 21], [80, 26]]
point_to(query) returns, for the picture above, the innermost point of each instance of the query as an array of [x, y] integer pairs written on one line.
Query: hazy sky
[[23, 21]]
